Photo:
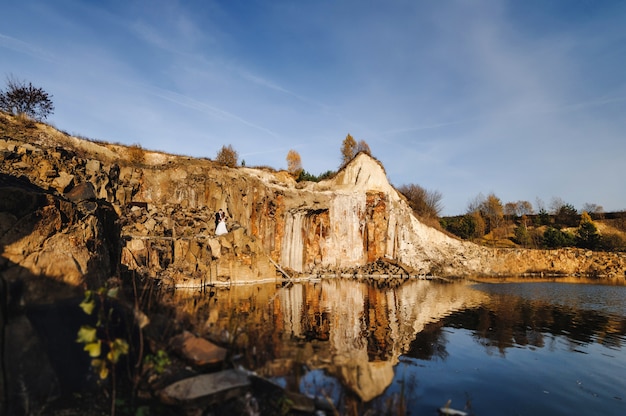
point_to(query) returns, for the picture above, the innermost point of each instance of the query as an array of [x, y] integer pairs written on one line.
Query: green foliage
[[529, 230], [326, 175], [587, 234], [462, 226], [566, 216], [21, 98], [159, 361], [543, 218], [95, 338], [553, 238], [522, 236], [305, 176]]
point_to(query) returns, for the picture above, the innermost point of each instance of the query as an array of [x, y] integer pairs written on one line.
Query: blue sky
[[525, 99]]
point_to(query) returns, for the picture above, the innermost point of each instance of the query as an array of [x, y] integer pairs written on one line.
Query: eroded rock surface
[[166, 205]]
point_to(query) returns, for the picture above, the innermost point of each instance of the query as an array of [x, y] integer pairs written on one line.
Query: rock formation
[[52, 247], [166, 206], [74, 213]]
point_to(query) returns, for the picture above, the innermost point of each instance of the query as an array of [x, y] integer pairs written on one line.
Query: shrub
[[612, 242], [587, 234], [22, 98], [136, 154], [464, 226], [305, 176], [553, 238], [425, 203], [522, 236], [227, 156]]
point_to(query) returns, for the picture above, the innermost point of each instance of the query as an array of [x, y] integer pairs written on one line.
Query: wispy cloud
[[26, 48], [273, 86], [463, 97], [205, 108]]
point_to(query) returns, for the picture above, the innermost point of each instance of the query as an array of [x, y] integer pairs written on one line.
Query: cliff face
[[70, 242], [166, 206]]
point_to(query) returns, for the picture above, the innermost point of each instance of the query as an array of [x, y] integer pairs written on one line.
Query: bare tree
[[23, 98], [362, 146], [518, 209], [475, 204], [510, 209], [425, 203], [524, 208], [556, 203], [592, 208]]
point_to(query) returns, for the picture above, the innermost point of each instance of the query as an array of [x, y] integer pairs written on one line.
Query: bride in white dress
[[221, 225]]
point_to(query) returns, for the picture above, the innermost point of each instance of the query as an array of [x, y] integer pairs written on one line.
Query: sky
[[522, 99]]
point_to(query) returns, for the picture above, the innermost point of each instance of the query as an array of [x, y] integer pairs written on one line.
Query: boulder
[[92, 167], [82, 192], [197, 350], [206, 388], [62, 182]]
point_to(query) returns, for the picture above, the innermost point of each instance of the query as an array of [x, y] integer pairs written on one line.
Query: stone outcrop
[[166, 206], [42, 234], [52, 248]]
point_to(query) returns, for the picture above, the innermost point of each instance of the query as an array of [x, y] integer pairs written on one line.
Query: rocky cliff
[[165, 206]]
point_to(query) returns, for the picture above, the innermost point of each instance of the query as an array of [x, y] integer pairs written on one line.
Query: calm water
[[517, 348]]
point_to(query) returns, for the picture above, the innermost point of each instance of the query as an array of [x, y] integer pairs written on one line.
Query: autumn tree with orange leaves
[[294, 163]]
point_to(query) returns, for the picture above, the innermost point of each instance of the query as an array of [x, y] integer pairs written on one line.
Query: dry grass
[[136, 154]]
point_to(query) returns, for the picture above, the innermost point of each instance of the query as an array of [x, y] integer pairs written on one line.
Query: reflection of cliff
[[369, 329], [356, 332], [350, 329]]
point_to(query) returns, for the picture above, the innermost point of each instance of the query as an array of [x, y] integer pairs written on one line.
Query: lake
[[506, 347]]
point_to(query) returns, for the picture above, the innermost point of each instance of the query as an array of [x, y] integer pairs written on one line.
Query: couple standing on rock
[[220, 223]]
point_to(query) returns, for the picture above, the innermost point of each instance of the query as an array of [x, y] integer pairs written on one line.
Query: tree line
[[227, 156], [489, 221]]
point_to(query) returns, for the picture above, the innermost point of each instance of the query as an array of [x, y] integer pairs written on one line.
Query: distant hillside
[[542, 231]]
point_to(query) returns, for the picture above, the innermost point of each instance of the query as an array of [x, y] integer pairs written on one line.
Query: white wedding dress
[[221, 228]]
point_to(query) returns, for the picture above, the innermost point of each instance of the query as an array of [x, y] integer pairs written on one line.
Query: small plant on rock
[[103, 347], [136, 154]]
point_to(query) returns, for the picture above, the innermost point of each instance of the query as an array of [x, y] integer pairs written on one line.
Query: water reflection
[[353, 330], [331, 335]]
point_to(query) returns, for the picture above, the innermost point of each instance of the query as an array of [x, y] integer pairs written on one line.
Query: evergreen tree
[[587, 234], [553, 238]]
